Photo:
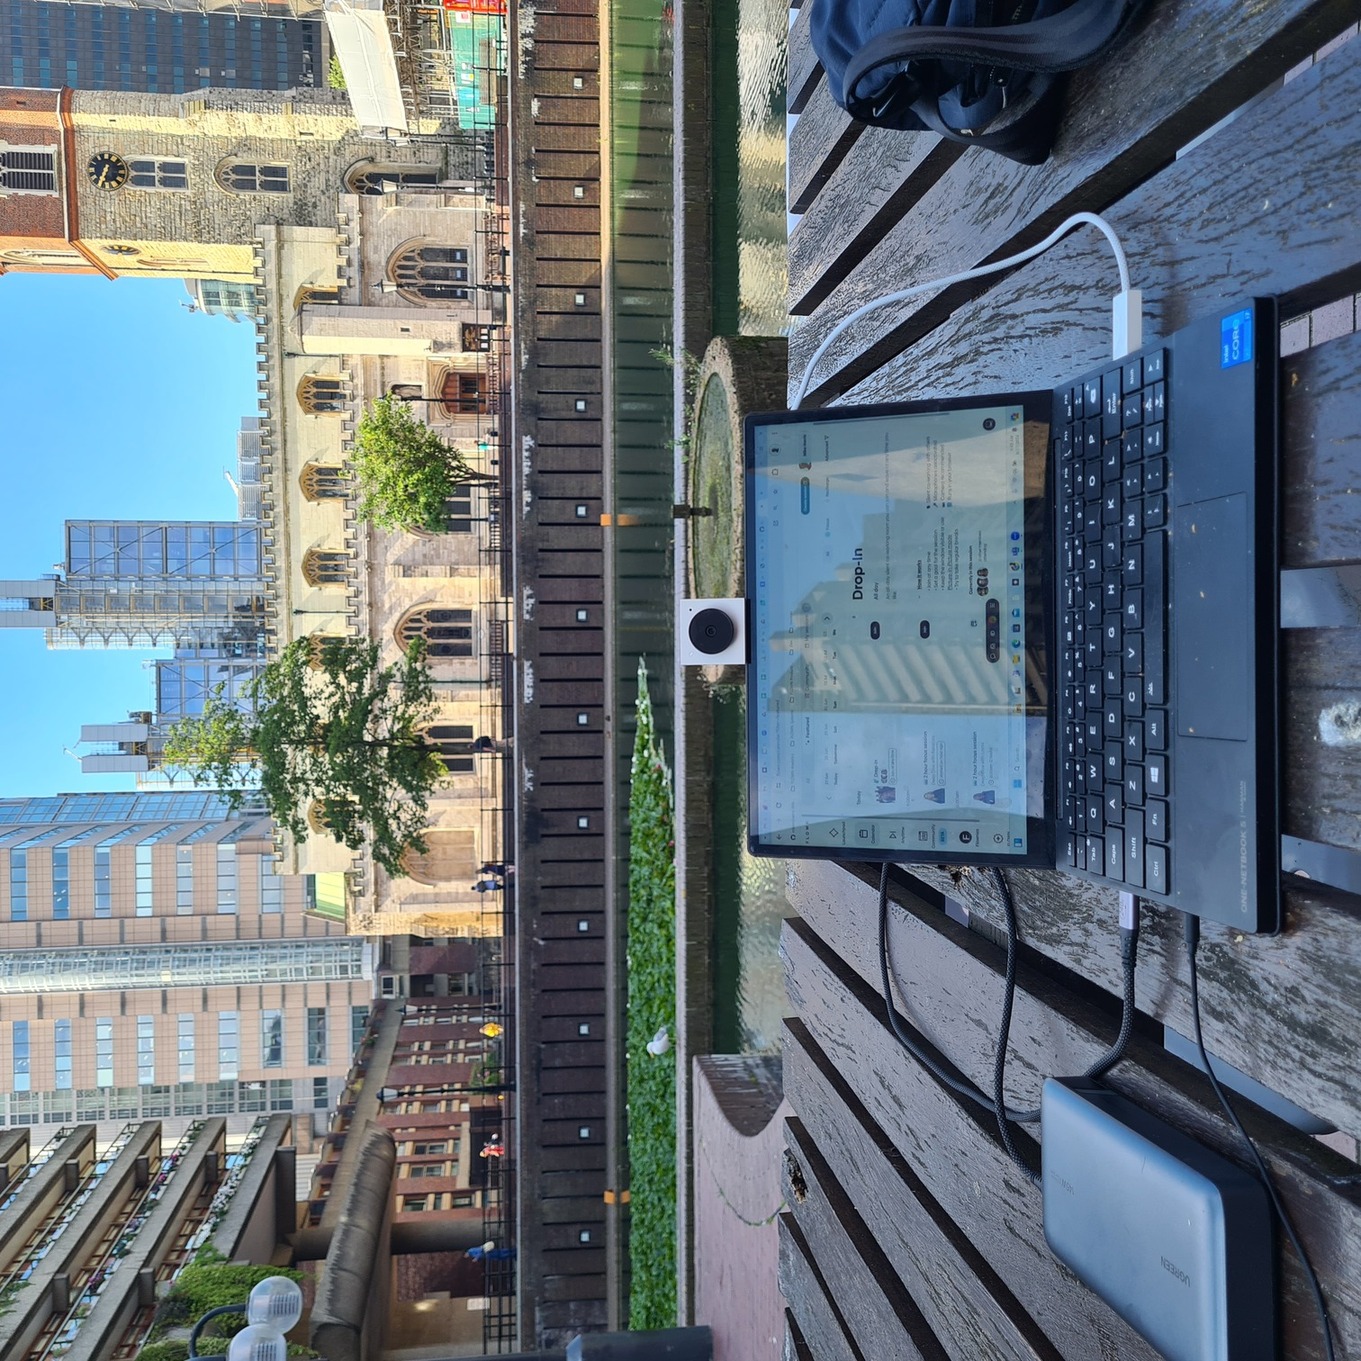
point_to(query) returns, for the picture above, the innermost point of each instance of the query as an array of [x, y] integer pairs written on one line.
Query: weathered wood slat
[[1322, 523], [795, 1348], [865, 195], [1321, 1188], [1321, 766], [804, 68], [876, 1306], [819, 1322], [1050, 319], [817, 144], [958, 1158], [955, 1287], [985, 207]]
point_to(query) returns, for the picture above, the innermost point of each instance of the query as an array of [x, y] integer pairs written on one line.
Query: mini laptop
[[1029, 628]]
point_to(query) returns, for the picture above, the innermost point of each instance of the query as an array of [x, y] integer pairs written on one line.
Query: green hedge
[[651, 1004]]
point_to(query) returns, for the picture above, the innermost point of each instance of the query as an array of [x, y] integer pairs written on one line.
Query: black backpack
[[983, 72]]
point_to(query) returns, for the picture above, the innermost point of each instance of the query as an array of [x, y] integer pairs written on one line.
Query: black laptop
[[1030, 628]]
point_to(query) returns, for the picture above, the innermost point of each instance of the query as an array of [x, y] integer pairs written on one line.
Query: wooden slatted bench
[[909, 1233]]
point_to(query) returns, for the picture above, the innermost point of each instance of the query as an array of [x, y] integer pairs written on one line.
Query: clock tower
[[174, 186]]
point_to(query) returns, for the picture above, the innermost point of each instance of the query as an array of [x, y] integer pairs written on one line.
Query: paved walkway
[[738, 1145]]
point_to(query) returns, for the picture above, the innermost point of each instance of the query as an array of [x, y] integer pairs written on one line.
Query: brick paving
[[737, 1148]]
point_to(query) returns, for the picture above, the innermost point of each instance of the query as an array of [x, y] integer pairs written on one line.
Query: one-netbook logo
[[1173, 1270]]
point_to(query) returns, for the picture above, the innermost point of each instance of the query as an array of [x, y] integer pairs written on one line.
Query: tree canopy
[[404, 470], [326, 725]]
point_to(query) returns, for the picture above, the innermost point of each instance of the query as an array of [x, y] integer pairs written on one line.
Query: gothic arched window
[[432, 273], [454, 742], [242, 177], [323, 568], [321, 396], [447, 633], [324, 482], [371, 178]]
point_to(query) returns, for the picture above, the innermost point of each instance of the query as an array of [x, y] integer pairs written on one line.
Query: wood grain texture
[[819, 141], [875, 1304], [1320, 1188], [954, 1151], [820, 1326], [863, 196], [1188, 65], [955, 1287], [804, 68]]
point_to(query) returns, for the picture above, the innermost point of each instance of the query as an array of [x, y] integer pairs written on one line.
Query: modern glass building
[[146, 584], [50, 43], [153, 963]]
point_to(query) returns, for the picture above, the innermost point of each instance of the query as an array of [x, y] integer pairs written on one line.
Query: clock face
[[107, 171]]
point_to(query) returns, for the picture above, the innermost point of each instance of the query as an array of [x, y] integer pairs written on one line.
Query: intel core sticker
[[1235, 339]]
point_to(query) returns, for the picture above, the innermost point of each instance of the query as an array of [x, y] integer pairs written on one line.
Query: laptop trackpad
[[1212, 618]]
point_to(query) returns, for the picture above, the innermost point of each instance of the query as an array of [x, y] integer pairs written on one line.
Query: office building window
[[146, 1050], [61, 886], [271, 1039], [447, 633], [226, 879], [427, 1170], [152, 173], [18, 886], [186, 1049], [21, 1079], [271, 889], [143, 856], [240, 177], [28, 170], [104, 1051], [220, 1098], [454, 742], [359, 1023], [316, 1037], [321, 1093], [369, 178], [184, 880], [281, 1094], [61, 1047], [103, 893], [228, 1044]]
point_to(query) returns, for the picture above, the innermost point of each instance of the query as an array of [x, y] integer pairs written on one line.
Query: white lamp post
[[273, 1307]]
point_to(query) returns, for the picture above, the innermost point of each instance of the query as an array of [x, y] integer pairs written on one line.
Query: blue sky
[[118, 403]]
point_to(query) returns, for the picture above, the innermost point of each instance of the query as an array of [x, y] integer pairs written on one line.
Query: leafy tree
[[335, 76], [330, 726], [405, 472]]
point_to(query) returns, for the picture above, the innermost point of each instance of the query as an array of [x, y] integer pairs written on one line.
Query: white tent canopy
[[363, 46]]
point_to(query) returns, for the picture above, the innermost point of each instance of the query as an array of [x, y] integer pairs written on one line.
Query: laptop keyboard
[[1111, 459]]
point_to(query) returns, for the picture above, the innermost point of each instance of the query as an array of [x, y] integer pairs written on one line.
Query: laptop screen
[[899, 569]]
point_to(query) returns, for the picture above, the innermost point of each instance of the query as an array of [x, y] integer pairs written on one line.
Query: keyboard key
[[1132, 522], [1092, 812], [1132, 446], [1115, 765], [1154, 441], [1134, 611], [1132, 656], [1155, 730], [1077, 403], [1157, 776], [1068, 851], [1095, 852], [1134, 741], [1155, 511], [1155, 620], [1154, 362], [1155, 869], [1134, 786], [1155, 820], [1114, 723], [1134, 847], [1110, 505], [1132, 484], [1110, 547], [1159, 403], [1114, 805], [1133, 375], [1155, 474], [1092, 396], [1133, 569], [1134, 696], [1092, 768], [1110, 460], [1115, 855], [1133, 412]]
